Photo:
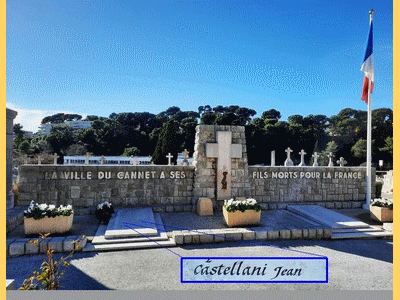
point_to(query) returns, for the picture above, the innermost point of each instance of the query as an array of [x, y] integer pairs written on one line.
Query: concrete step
[[116, 227], [362, 235], [325, 216], [129, 246], [346, 230], [100, 239]]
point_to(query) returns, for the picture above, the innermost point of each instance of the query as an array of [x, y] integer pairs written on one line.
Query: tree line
[[173, 130]]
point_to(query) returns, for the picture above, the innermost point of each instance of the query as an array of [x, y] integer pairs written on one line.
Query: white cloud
[[30, 119]]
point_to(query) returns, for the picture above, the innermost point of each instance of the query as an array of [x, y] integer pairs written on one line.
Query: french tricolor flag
[[368, 67]]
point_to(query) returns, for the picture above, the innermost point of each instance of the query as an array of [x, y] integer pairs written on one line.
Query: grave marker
[[330, 156], [302, 163], [315, 156], [341, 162], [273, 158], [87, 158], [55, 157], [169, 156], [288, 161]]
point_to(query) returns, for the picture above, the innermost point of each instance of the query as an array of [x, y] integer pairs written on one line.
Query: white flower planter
[[59, 224]]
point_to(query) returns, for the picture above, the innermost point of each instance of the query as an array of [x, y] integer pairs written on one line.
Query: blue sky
[[97, 57]]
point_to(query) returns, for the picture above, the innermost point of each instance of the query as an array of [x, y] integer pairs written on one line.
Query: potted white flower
[[241, 212], [43, 218], [381, 210]]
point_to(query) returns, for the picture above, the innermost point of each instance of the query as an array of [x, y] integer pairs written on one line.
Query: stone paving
[[187, 228]]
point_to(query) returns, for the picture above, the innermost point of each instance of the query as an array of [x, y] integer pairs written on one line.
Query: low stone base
[[205, 207]]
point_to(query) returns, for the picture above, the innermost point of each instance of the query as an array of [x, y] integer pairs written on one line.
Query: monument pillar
[[220, 160], [10, 116]]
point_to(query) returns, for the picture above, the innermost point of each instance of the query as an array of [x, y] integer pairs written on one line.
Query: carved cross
[[87, 158], [288, 161], [224, 151], [302, 163], [55, 157], [315, 156], [39, 159], [134, 160], [169, 156], [330, 159], [341, 162], [102, 160]]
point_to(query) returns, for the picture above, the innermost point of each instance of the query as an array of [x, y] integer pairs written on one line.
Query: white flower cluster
[[43, 209], [232, 202], [100, 206]]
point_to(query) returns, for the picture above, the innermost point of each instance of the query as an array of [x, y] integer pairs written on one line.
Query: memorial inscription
[[75, 175]]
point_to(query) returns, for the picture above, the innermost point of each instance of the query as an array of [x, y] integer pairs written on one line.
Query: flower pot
[[381, 214], [238, 218], [59, 224]]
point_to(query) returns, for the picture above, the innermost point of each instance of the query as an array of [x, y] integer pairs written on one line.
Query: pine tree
[[168, 142], [330, 147]]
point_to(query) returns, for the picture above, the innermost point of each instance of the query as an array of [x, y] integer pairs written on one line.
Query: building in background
[[107, 160], [44, 129]]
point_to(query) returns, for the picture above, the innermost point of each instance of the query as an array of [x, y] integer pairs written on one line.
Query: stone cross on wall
[[341, 162], [134, 161], [273, 158], [55, 157], [288, 161], [330, 159], [39, 159], [224, 151], [302, 163], [315, 156], [169, 156], [102, 160], [87, 158]]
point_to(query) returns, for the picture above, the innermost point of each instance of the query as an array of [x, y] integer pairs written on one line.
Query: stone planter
[[238, 218], [59, 224], [381, 214]]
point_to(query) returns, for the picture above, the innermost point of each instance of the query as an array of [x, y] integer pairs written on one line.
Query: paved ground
[[88, 224], [353, 265]]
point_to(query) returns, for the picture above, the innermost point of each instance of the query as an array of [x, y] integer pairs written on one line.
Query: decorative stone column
[[220, 160], [10, 116]]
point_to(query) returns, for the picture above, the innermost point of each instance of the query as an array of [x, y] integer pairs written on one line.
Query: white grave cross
[[302, 163], [102, 160], [134, 160], [55, 157], [315, 156], [330, 159], [341, 162], [288, 161], [169, 156], [224, 151], [87, 158]]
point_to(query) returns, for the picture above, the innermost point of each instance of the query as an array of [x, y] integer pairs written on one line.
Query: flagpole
[[369, 140]]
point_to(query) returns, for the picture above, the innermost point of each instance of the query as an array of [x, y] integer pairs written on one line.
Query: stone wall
[[10, 116], [165, 188], [330, 187]]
